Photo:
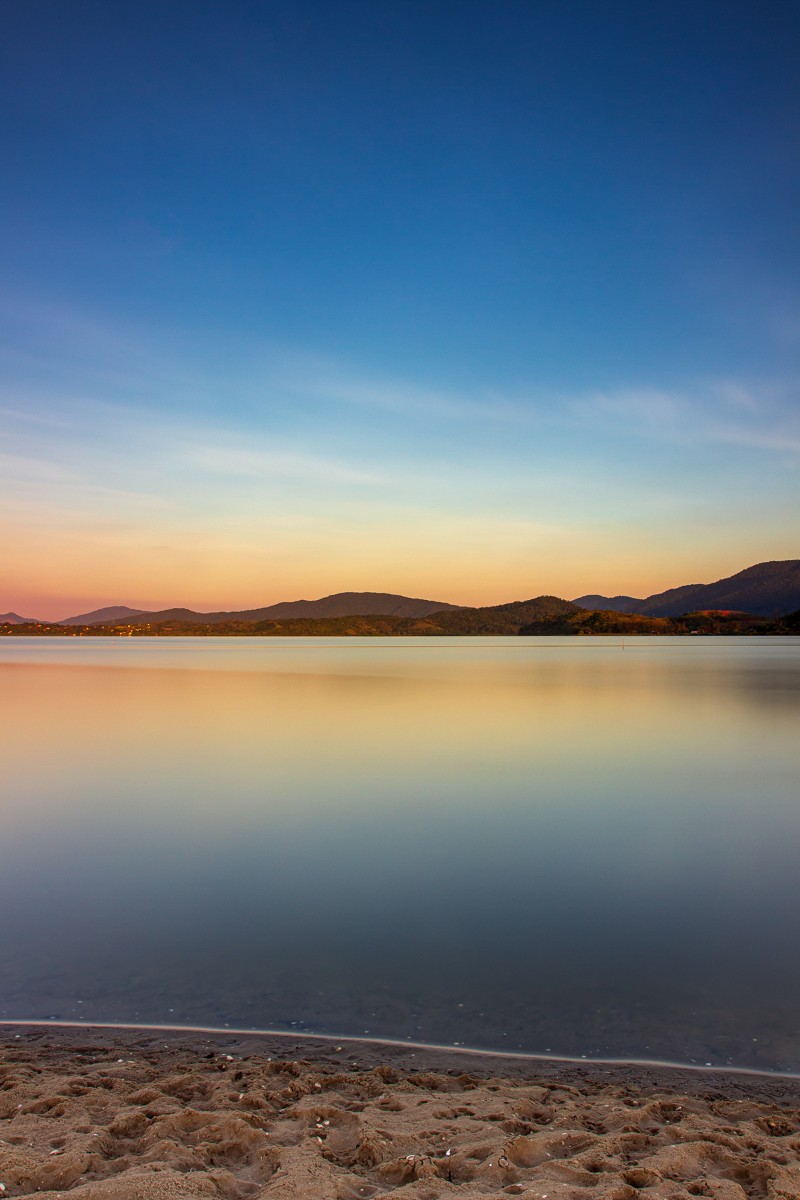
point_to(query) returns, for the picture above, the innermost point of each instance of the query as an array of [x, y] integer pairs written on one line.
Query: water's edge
[[396, 1043]]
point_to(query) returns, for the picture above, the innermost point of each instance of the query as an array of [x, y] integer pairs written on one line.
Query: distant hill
[[545, 615], [597, 621], [500, 618], [792, 622], [621, 604], [444, 622], [342, 604], [767, 589], [348, 604], [497, 619], [100, 616], [449, 622]]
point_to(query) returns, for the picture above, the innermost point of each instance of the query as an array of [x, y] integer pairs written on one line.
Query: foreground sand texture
[[133, 1116]]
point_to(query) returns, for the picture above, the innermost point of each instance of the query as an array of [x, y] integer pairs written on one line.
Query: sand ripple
[[130, 1117]]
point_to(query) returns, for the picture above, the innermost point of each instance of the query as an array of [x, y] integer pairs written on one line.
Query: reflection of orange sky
[[195, 750], [54, 573]]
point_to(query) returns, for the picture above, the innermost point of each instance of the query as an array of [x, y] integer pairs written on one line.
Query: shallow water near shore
[[572, 845]]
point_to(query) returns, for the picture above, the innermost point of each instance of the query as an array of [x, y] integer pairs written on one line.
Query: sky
[[473, 300]]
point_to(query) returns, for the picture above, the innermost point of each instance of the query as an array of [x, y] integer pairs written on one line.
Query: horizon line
[[352, 592]]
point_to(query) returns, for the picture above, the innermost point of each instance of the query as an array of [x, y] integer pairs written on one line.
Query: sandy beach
[[142, 1115]]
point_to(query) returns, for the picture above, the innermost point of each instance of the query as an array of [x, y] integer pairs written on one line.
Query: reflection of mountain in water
[[771, 689]]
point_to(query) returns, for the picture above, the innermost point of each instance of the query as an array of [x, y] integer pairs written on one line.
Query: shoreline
[[105, 1112], [525, 1056]]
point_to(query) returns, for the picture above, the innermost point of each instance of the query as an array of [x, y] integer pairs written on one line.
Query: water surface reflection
[[547, 843]]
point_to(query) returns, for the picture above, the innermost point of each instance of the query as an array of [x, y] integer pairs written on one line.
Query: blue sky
[[469, 300]]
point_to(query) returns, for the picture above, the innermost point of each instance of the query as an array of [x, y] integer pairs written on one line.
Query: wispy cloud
[[87, 370], [644, 409], [236, 461], [136, 445], [326, 379], [61, 491], [761, 417], [31, 416], [34, 469], [782, 440], [758, 414]]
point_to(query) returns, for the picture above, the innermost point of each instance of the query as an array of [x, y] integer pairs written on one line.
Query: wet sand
[[127, 1114]]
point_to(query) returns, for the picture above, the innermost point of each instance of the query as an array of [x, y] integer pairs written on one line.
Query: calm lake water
[[551, 844]]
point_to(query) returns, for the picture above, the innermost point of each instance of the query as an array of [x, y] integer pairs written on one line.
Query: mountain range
[[767, 589], [342, 604]]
